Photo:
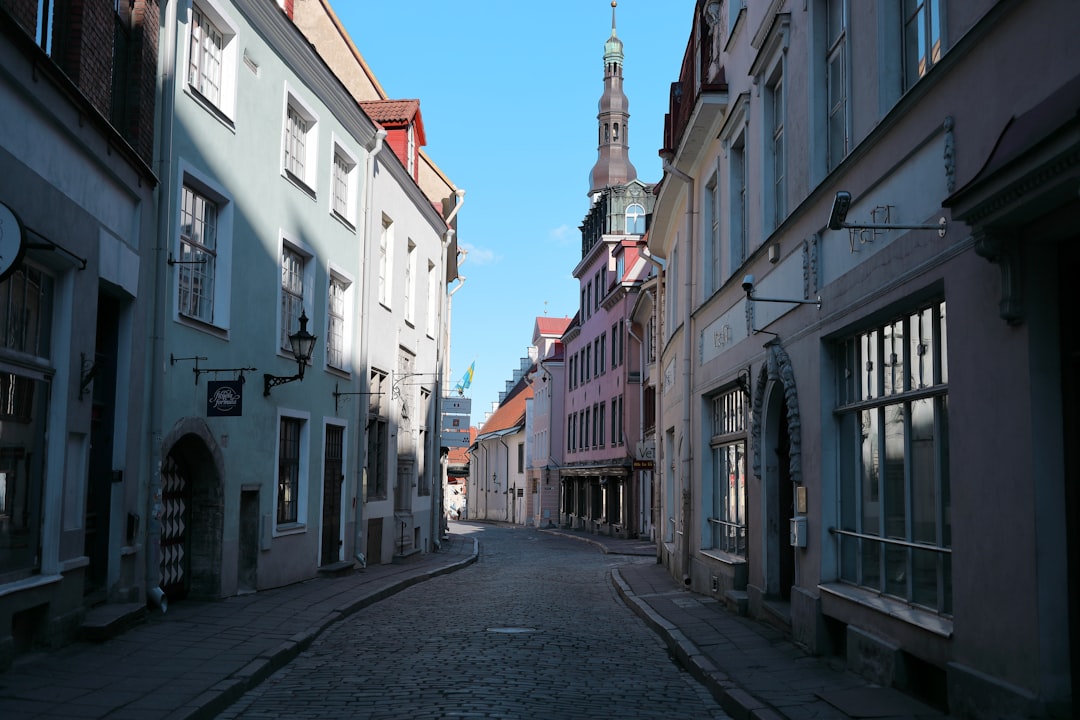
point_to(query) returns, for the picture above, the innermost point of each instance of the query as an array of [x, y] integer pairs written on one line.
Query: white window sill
[[29, 584], [290, 529]]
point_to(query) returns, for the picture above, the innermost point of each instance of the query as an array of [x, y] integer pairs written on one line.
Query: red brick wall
[[84, 47], [139, 125], [24, 12]]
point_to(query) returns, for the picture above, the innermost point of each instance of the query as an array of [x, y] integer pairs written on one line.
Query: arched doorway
[[193, 513], [778, 465]]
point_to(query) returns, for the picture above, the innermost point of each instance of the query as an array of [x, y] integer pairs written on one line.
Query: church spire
[[613, 165]]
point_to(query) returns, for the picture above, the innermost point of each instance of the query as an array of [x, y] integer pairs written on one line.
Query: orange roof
[[551, 326], [511, 413]]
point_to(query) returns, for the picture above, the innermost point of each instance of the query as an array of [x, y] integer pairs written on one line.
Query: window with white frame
[[410, 284], [386, 259], [671, 292], [300, 142], [635, 219], [738, 202], [295, 286], [776, 197], [836, 81], [711, 222], [343, 182], [601, 416], [895, 534], [378, 436], [292, 470], [433, 296], [726, 481], [921, 38], [212, 56], [335, 322], [197, 263]]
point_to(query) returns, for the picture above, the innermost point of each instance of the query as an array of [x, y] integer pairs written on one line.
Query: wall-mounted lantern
[[303, 343]]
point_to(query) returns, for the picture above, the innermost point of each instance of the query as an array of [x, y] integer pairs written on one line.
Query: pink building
[[600, 488]]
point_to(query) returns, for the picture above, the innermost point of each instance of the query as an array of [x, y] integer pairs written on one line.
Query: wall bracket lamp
[[748, 286], [842, 204], [302, 343]]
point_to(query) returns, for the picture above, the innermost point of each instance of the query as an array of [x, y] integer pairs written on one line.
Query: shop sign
[[12, 241], [224, 398]]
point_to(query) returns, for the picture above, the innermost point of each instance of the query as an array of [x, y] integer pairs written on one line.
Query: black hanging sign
[[224, 398]]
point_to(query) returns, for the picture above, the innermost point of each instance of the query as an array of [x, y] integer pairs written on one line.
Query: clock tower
[[613, 165]]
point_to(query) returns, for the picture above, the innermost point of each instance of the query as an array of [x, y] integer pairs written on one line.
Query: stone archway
[[777, 463], [193, 511]]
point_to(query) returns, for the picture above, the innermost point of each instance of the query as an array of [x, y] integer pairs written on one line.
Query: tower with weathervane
[[601, 490]]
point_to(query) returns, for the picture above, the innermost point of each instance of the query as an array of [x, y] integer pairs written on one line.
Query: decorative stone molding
[[777, 367], [950, 155], [1003, 253]]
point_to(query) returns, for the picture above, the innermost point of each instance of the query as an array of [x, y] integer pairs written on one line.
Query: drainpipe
[[443, 382], [506, 477], [641, 404], [166, 59], [685, 457], [367, 222]]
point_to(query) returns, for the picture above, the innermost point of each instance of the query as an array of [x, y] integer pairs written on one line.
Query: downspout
[[685, 457], [506, 477], [167, 58], [442, 382], [641, 402], [366, 223]]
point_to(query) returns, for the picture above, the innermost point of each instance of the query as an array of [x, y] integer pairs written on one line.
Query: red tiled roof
[[512, 412], [397, 115], [391, 112], [552, 326]]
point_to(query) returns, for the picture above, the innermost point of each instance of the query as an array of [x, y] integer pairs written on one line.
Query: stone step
[[109, 620]]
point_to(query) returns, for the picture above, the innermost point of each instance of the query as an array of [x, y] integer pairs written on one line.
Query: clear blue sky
[[509, 92]]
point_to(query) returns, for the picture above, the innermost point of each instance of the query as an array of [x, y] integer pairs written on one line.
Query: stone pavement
[[751, 668], [200, 656]]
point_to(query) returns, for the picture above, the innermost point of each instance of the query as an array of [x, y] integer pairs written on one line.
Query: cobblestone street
[[533, 629]]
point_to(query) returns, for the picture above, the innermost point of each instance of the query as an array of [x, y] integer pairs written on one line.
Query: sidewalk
[[752, 668], [200, 656]]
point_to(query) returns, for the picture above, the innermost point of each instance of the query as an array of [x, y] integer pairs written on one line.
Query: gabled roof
[[396, 113]]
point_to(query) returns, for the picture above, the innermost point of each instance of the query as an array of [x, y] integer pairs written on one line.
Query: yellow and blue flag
[[466, 380]]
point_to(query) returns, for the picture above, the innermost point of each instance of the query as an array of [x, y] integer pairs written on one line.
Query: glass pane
[[23, 406], [921, 368], [868, 345], [849, 548], [893, 359], [835, 19], [943, 373], [849, 431], [935, 30], [896, 570], [848, 373], [923, 473], [943, 468], [871, 503], [924, 581], [871, 564], [894, 481]]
